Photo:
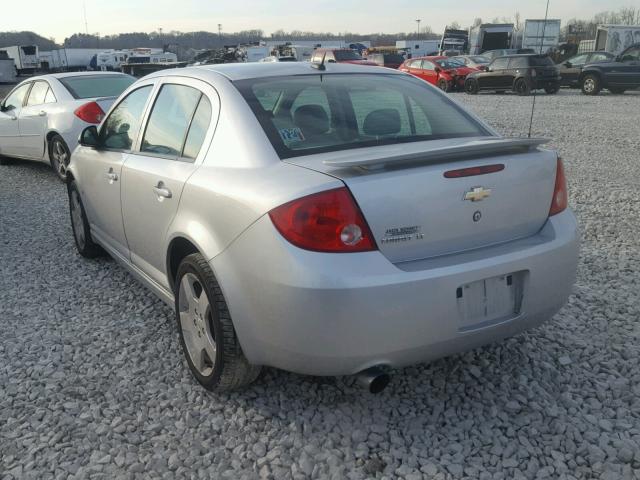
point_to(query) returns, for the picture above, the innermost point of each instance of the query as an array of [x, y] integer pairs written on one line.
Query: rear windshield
[[393, 58], [541, 61], [342, 55], [309, 114], [97, 86]]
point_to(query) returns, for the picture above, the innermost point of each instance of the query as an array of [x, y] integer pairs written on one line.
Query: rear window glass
[[541, 61], [97, 86], [342, 55], [310, 114]]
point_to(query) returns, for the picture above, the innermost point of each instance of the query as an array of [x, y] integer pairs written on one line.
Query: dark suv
[[618, 75], [520, 73]]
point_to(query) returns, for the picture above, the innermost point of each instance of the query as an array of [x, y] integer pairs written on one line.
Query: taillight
[[560, 199], [328, 221], [90, 113]]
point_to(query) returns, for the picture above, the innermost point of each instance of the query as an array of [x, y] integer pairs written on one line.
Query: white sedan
[[43, 116]]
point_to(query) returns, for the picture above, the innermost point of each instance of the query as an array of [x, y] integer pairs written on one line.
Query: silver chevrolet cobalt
[[326, 220]]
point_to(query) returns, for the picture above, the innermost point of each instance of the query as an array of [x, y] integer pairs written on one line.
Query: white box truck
[[490, 36], [418, 48], [541, 35], [74, 59], [25, 57], [616, 38]]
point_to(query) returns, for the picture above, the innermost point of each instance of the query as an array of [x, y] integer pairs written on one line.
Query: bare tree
[[454, 25], [517, 21]]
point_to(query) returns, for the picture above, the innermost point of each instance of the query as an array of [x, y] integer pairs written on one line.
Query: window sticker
[[291, 135]]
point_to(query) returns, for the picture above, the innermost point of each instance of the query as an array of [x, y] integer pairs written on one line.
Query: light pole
[[418, 22], [220, 33]]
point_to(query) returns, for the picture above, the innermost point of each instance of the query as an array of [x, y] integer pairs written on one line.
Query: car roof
[[246, 71], [73, 74], [435, 57]]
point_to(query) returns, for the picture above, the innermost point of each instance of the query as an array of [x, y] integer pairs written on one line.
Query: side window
[[631, 55], [596, 57], [426, 65], [500, 63], [121, 127], [386, 116], [518, 62], [582, 59], [15, 100], [50, 98], [38, 93], [317, 57], [169, 120], [198, 129]]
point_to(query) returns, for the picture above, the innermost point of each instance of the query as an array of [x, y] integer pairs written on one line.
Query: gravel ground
[[93, 385]]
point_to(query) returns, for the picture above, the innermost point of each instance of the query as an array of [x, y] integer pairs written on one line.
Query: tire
[[209, 333], [80, 225], [591, 84], [500, 92], [444, 85], [471, 86], [552, 89], [5, 160], [59, 156], [617, 90], [522, 87]]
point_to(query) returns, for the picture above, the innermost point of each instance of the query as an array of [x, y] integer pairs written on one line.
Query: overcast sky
[[62, 18]]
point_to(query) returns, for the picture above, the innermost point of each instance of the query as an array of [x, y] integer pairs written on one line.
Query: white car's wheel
[[208, 338], [59, 155]]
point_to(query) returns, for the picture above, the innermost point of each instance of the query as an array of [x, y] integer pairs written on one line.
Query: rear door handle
[[112, 176], [162, 191]]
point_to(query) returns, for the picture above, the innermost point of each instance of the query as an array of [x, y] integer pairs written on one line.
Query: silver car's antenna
[[544, 29]]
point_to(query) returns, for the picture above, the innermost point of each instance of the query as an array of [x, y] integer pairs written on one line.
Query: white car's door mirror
[[89, 137]]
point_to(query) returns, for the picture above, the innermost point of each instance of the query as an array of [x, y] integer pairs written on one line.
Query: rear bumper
[[327, 314]]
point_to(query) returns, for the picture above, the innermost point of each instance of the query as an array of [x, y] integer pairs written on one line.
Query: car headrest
[[312, 119], [385, 121]]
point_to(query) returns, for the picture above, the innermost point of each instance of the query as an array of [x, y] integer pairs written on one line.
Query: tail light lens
[[90, 113], [328, 221], [560, 199]]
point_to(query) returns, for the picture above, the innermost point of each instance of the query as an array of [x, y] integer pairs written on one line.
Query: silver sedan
[[327, 220], [42, 117]]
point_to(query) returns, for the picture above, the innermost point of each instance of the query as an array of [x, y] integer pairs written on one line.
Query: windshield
[[97, 86], [310, 114], [342, 55], [480, 59], [449, 63]]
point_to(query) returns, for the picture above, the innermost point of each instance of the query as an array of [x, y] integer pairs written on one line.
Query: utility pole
[[220, 33], [86, 25], [418, 22]]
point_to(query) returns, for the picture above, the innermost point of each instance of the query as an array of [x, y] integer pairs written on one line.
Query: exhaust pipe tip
[[373, 379]]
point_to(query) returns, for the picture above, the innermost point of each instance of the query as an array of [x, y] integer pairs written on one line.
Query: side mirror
[[437, 70], [89, 137], [568, 64], [618, 58]]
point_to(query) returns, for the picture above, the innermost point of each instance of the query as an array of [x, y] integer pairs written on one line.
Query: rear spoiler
[[475, 148]]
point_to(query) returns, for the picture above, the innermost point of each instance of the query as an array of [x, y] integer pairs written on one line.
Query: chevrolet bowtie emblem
[[477, 194]]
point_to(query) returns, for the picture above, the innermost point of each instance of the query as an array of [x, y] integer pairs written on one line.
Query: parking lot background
[[94, 383]]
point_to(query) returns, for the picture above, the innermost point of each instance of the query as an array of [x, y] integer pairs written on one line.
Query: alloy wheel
[[60, 159], [197, 324], [589, 85]]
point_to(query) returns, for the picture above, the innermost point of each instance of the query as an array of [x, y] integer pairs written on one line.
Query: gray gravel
[[92, 383]]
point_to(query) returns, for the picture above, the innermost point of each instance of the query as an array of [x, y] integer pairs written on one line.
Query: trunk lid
[[415, 212]]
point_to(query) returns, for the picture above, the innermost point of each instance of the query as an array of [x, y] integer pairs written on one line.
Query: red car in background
[[446, 73], [339, 55]]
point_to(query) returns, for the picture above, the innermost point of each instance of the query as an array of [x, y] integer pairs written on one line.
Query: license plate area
[[491, 300]]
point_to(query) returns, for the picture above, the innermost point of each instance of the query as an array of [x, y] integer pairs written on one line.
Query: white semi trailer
[[490, 36], [25, 57], [616, 38], [541, 35]]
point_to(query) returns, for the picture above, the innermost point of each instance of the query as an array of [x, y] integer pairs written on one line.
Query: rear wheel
[[617, 91], [444, 85], [59, 155], [80, 225], [207, 334], [552, 89], [471, 86], [5, 160], [591, 85], [522, 87]]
